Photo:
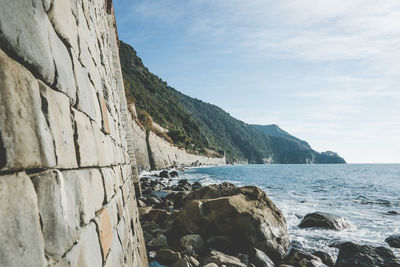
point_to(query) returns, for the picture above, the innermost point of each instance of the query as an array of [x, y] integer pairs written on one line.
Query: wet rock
[[259, 259], [158, 242], [300, 258], [393, 241], [174, 174], [152, 201], [196, 185], [325, 257], [167, 256], [392, 212], [177, 198], [195, 241], [220, 258], [164, 174], [351, 254], [324, 220], [181, 263], [244, 216]]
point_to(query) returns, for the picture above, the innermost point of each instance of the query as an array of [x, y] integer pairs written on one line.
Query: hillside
[[199, 126]]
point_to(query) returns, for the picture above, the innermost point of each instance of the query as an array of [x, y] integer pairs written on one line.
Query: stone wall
[[153, 152], [67, 165]]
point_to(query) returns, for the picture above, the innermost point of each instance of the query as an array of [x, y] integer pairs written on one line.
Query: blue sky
[[326, 71]]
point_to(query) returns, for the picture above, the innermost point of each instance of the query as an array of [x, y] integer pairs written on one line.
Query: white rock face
[[21, 242], [25, 134]]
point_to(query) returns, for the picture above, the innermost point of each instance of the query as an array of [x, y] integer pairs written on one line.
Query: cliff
[[67, 169], [200, 126]]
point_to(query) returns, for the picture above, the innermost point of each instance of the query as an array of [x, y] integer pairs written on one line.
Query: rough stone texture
[[24, 131], [21, 35], [58, 114], [324, 220], [222, 259], [351, 254], [86, 141], [393, 240], [58, 211], [63, 120], [105, 231], [21, 242]]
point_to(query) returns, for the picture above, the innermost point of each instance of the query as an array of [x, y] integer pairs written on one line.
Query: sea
[[367, 195]]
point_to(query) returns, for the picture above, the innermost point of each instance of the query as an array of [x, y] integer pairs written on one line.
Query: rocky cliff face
[[67, 173]]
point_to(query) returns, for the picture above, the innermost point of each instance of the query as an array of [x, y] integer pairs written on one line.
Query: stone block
[[87, 101], [105, 231], [104, 115], [58, 114], [86, 141], [21, 240], [108, 178], [64, 21], [24, 30], [86, 253], [116, 255], [118, 177], [101, 146], [25, 136], [58, 207], [89, 186]]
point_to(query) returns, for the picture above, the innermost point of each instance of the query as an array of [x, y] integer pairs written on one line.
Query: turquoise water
[[361, 193]]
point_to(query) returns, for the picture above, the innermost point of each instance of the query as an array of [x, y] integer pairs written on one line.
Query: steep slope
[[199, 126]]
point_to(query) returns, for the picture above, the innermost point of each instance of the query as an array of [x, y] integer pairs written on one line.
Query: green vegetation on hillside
[[200, 127]]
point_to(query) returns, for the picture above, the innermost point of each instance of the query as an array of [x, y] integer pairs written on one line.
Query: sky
[[326, 71]]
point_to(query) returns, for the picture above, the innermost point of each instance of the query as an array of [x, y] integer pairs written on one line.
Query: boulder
[[164, 174], [167, 256], [177, 198], [324, 220], [220, 258], [393, 241], [259, 259], [155, 215], [174, 174], [181, 263], [158, 242], [325, 257], [300, 258], [351, 254], [244, 217], [211, 265], [196, 185], [195, 241]]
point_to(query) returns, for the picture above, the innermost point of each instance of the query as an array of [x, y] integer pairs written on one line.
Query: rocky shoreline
[[188, 225]]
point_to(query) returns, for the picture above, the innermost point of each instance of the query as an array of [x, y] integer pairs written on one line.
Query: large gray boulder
[[393, 241], [351, 255], [324, 220], [240, 218], [300, 258]]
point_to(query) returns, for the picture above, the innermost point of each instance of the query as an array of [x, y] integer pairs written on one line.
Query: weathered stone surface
[[64, 22], [211, 265], [109, 178], [86, 253], [20, 34], [24, 132], [105, 231], [325, 257], [393, 241], [58, 210], [300, 258], [158, 242], [259, 259], [89, 187], [222, 259], [104, 115], [85, 139], [324, 220], [58, 113], [181, 263], [194, 241], [244, 217], [167, 256], [351, 254], [64, 79], [21, 240]]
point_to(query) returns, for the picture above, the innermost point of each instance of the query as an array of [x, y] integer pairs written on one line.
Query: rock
[[393, 240], [158, 242], [177, 198], [324, 220], [223, 259], [144, 210], [164, 174], [21, 240], [152, 201], [300, 258], [192, 240], [167, 256], [351, 254], [194, 261], [196, 185], [86, 140], [155, 215], [325, 257], [245, 217], [392, 212], [174, 174], [259, 259], [181, 263], [211, 265], [105, 231]]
